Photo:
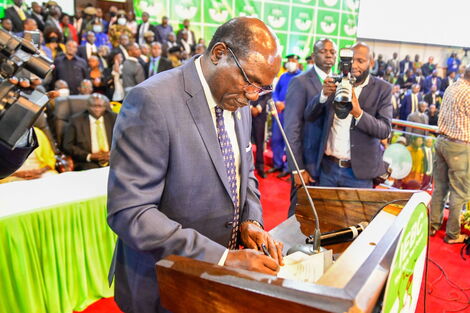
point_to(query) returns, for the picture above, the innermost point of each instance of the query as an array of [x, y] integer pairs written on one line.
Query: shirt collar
[[207, 91], [93, 119], [320, 73], [366, 81]]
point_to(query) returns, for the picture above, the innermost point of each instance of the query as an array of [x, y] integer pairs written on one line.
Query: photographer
[[352, 156]]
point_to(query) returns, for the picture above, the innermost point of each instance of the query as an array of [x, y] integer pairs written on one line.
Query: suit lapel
[[108, 127], [199, 109], [86, 131], [315, 80]]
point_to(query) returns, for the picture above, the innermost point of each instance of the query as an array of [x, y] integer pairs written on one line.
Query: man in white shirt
[[89, 48], [351, 146], [144, 27]]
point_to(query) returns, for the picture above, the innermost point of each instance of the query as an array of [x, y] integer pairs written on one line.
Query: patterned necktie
[[229, 161]]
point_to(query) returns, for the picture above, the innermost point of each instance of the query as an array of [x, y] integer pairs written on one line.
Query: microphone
[[342, 235], [315, 238]]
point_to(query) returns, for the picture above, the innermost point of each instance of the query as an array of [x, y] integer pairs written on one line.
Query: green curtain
[[55, 259]]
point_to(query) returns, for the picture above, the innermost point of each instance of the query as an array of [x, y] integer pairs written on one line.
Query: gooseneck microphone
[[314, 247], [342, 235]]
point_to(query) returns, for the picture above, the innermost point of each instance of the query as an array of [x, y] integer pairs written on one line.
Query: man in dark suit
[[304, 136], [181, 178], [121, 49], [88, 137], [157, 63], [432, 80], [259, 113], [36, 14], [144, 27], [406, 64], [428, 67], [349, 153], [410, 102], [446, 82], [191, 37], [17, 15], [434, 97], [89, 48]]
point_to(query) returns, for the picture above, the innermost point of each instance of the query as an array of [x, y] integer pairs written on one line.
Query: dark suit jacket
[[82, 53], [428, 84], [41, 23], [163, 148], [374, 125], [444, 84], [438, 97], [151, 28], [11, 160], [77, 138], [15, 19], [402, 65], [179, 36], [304, 136], [406, 105], [163, 65]]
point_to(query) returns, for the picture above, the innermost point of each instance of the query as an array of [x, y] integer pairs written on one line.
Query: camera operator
[[350, 151]]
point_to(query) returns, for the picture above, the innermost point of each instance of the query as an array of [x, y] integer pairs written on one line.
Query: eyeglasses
[[251, 87]]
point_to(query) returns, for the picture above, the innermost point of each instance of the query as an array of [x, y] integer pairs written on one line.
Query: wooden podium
[[352, 284]]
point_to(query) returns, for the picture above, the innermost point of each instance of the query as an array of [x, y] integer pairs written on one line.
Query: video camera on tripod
[[19, 108], [344, 82]]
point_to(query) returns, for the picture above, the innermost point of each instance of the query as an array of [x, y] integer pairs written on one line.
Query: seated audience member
[[120, 48], [54, 17], [132, 70], [149, 37], [405, 80], [432, 80], [379, 67], [419, 116], [169, 43], [144, 52], [174, 55], [69, 32], [157, 63], [200, 49], [96, 75], [419, 78], [448, 81], [428, 67], [86, 87], [118, 29], [70, 67], [53, 39], [184, 43], [191, 37], [100, 19], [396, 101], [40, 163], [410, 102], [103, 56], [394, 63], [433, 114], [86, 50], [101, 38], [37, 15], [434, 96], [88, 137], [389, 76], [7, 25]]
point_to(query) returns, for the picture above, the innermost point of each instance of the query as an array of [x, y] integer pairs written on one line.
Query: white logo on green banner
[[248, 10], [330, 3], [404, 281], [186, 9], [218, 12], [353, 5], [303, 22], [276, 18], [350, 27], [328, 24]]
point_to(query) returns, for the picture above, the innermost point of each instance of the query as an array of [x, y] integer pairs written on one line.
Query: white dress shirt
[[94, 137], [229, 122], [339, 141], [90, 49], [143, 28]]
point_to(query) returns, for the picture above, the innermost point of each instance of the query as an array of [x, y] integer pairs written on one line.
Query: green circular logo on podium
[[406, 272]]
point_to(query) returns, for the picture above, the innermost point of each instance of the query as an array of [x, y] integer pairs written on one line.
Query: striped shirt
[[454, 116]]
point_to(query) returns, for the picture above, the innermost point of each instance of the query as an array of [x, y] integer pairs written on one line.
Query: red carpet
[[443, 296]]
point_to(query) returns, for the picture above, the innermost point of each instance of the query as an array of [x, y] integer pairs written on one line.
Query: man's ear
[[217, 52]]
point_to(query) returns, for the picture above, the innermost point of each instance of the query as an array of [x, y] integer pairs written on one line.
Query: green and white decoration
[[298, 23]]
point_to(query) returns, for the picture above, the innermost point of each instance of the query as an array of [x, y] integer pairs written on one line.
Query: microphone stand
[[317, 234]]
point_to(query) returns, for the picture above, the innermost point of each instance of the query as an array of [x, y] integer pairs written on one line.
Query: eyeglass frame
[[263, 90]]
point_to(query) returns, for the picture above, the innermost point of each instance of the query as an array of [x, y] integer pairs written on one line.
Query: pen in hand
[[265, 250]]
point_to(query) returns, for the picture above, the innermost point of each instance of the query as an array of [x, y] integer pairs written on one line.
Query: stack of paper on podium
[[307, 268]]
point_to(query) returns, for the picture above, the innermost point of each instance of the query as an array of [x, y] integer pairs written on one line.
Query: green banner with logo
[[297, 23], [406, 272]]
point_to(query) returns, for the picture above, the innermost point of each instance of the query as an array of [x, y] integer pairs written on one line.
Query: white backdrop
[[439, 22]]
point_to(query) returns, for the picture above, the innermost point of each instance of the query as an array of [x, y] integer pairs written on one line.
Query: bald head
[[363, 60], [466, 74], [365, 47], [244, 35], [324, 54]]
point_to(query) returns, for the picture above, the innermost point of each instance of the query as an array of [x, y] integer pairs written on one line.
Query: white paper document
[[307, 268]]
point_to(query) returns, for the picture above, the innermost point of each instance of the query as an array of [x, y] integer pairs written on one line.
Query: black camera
[[344, 82], [19, 108]]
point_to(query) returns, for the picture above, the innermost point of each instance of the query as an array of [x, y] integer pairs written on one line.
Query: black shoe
[[262, 174], [274, 169], [283, 174]]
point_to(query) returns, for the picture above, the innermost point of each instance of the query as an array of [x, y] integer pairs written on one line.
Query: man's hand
[[100, 156], [306, 176], [280, 105], [254, 111], [253, 237], [252, 260], [356, 108], [329, 86]]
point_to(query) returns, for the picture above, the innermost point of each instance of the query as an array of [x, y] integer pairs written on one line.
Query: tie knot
[[218, 112], [98, 122]]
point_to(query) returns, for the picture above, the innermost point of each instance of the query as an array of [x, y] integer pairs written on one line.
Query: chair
[[65, 107]]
